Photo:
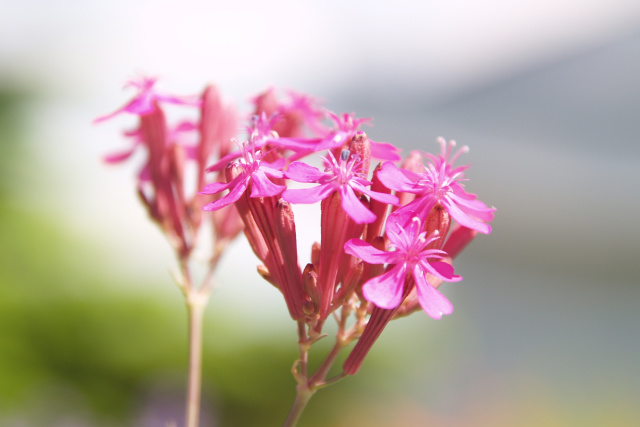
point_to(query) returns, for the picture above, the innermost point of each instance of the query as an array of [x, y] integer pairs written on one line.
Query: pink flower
[[254, 171], [261, 133], [410, 257], [342, 176], [439, 184], [299, 112], [144, 101], [346, 128]]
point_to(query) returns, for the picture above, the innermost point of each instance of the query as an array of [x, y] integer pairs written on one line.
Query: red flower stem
[[323, 370], [303, 347], [308, 386], [341, 341]]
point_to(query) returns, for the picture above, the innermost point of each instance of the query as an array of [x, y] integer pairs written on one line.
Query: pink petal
[[474, 208], [385, 290], [137, 105], [302, 172], [462, 218], [397, 222], [261, 186], [308, 195], [216, 187], [459, 190], [224, 161], [178, 100], [385, 151], [420, 207], [402, 218], [276, 164], [431, 300], [354, 207], [363, 250], [119, 157], [332, 141], [297, 144], [381, 197], [397, 179], [142, 104], [233, 196], [273, 173], [441, 270]]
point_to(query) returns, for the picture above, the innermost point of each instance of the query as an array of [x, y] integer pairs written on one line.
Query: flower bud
[[315, 253], [360, 146], [438, 220], [458, 240], [311, 288], [380, 209]]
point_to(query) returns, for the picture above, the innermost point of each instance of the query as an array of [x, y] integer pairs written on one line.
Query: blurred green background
[[546, 328]]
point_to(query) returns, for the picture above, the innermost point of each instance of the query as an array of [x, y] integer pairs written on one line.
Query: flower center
[[343, 169]]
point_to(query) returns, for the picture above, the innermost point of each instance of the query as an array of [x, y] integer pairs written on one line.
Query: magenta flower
[[255, 172], [346, 128], [143, 102], [409, 257], [342, 176], [261, 133], [439, 184], [299, 112]]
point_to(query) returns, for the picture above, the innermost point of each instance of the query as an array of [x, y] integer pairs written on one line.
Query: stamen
[[462, 150], [344, 155], [443, 146], [450, 147]]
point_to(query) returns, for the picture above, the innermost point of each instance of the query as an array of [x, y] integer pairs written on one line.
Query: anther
[[344, 156]]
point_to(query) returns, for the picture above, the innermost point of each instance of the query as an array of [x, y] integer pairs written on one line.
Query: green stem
[[196, 303], [302, 398]]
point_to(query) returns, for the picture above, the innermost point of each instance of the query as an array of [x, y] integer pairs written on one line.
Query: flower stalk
[[196, 304]]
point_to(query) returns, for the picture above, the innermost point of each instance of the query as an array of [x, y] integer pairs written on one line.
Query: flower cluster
[[386, 237], [169, 148]]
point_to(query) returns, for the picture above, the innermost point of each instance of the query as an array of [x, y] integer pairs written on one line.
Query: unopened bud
[[378, 208], [458, 240], [177, 162], [438, 220], [350, 282], [232, 170], [315, 253], [308, 307], [310, 283], [361, 147]]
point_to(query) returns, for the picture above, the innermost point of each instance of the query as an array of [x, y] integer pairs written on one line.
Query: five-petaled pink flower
[[143, 102], [340, 175], [409, 257], [254, 171], [261, 134], [439, 184], [346, 127]]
